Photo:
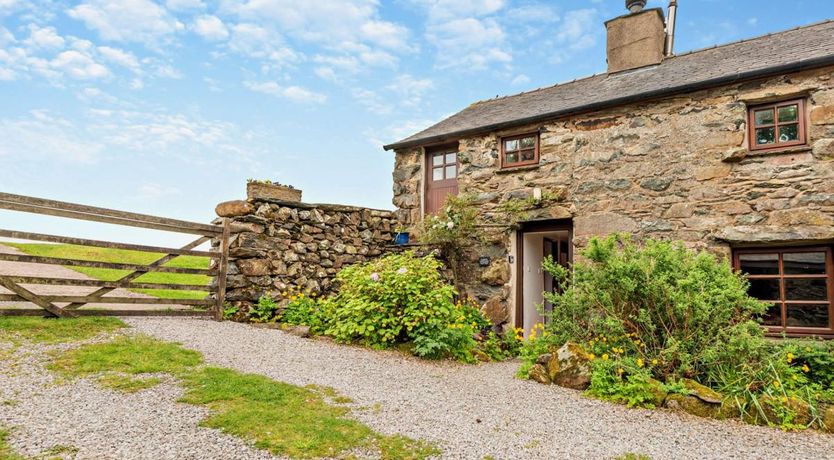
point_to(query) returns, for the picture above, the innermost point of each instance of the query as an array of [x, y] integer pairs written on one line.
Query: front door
[[441, 176]]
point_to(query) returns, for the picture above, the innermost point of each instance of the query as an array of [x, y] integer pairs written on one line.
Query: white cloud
[[184, 5], [386, 34], [127, 20], [7, 6], [210, 28], [372, 101], [79, 65], [6, 37], [42, 136], [44, 37], [262, 43], [410, 90], [293, 93], [520, 79], [120, 57], [469, 43], [442, 10], [154, 191]]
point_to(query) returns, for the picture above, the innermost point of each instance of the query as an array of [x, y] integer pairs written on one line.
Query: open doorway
[[535, 241]]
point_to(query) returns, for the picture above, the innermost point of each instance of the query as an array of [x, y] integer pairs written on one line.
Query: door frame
[[535, 226]]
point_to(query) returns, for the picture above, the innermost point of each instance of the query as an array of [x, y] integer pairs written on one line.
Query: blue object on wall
[[401, 239]]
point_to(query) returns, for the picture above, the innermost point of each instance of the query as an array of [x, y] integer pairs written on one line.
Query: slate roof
[[783, 52]]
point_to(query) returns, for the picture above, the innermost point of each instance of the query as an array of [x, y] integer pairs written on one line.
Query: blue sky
[[168, 106]]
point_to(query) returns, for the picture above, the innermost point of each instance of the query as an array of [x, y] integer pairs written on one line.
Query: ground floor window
[[796, 282]]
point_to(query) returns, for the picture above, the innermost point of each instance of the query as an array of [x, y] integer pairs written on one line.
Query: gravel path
[[476, 411], [90, 422], [57, 271]]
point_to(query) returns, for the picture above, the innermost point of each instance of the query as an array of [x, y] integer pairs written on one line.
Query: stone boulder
[[234, 208], [496, 311], [827, 416], [772, 407], [570, 367], [539, 374], [497, 274], [701, 401]]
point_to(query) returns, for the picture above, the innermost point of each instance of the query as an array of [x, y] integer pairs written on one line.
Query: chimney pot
[[635, 6]]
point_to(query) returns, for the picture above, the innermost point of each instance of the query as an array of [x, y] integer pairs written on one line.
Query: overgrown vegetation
[[68, 251], [6, 451], [654, 314], [53, 330], [282, 418], [399, 300]]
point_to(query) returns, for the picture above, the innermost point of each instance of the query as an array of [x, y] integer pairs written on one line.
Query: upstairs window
[[796, 282], [520, 150], [777, 125]]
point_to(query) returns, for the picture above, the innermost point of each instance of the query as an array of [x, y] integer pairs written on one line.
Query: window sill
[[513, 169], [737, 155]]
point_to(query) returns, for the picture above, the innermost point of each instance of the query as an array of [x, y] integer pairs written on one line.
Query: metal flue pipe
[[670, 28]]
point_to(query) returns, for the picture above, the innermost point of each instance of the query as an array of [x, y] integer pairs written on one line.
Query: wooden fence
[[201, 307]]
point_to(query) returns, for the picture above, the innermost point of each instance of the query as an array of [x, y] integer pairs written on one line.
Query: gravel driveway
[[477, 411]]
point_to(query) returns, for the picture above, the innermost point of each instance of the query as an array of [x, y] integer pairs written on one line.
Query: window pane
[[806, 289], [805, 315], [765, 135], [765, 289], [773, 315], [511, 145], [528, 142], [451, 172], [804, 263], [451, 158], [528, 155], [511, 158], [759, 264], [788, 133], [437, 160], [764, 117], [788, 113], [437, 174]]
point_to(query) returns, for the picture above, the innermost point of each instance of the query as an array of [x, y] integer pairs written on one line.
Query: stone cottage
[[729, 149]]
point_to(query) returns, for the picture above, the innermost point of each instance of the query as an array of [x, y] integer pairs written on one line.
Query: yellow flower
[[605, 356], [640, 362], [794, 377], [620, 371], [805, 368], [790, 357], [784, 399], [591, 357], [777, 384], [654, 362]]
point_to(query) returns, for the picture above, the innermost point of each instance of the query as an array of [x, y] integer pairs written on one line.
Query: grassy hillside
[[68, 251]]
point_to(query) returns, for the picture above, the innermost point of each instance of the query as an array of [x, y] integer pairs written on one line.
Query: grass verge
[[284, 419], [49, 330], [69, 251], [6, 451]]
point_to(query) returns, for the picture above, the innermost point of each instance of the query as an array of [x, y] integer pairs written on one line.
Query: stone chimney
[[636, 39]]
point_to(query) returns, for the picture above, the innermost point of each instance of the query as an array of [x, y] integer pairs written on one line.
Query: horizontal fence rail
[[201, 307]]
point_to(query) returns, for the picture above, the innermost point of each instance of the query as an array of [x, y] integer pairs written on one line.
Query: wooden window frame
[[794, 331], [442, 150], [517, 164], [801, 122]]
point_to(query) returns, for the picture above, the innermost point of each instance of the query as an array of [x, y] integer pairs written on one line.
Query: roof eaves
[[795, 66]]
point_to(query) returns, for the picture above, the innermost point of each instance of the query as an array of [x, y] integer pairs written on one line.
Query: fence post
[[222, 270]]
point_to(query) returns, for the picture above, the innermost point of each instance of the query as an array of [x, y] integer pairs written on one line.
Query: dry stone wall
[[291, 244], [677, 168]]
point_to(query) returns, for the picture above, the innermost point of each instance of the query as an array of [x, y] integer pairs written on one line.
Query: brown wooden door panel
[[441, 176]]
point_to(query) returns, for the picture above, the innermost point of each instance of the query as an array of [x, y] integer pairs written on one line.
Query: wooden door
[[441, 176]]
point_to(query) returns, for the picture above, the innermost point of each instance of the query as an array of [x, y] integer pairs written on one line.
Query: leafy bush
[[264, 310], [664, 302], [304, 309], [401, 298]]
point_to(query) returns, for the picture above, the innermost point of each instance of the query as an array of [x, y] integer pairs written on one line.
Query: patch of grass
[[69, 251], [6, 451], [632, 456], [127, 384], [126, 355], [284, 419], [54, 330]]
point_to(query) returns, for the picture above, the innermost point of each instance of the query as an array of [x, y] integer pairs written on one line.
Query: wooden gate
[[190, 307]]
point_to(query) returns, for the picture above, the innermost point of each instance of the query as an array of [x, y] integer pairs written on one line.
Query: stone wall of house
[[677, 168], [298, 245]]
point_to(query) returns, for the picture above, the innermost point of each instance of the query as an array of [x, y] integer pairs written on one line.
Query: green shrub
[[304, 309], [659, 302], [400, 298], [264, 310]]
